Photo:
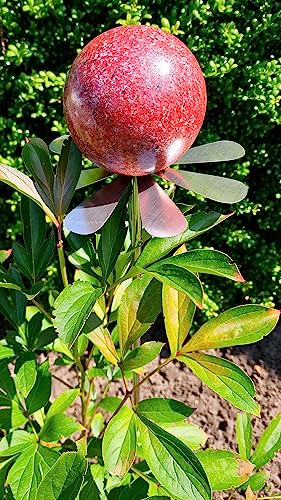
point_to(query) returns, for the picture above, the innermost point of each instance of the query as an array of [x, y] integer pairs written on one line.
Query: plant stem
[[61, 257], [62, 381], [42, 309], [135, 239]]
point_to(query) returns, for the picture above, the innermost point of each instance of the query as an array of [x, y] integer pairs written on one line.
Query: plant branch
[[62, 381], [62, 258], [42, 309]]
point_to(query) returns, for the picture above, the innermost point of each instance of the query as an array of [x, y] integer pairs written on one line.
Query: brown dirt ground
[[260, 361]]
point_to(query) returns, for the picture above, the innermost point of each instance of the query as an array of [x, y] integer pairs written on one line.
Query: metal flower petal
[[216, 188], [159, 214], [92, 214], [213, 152]]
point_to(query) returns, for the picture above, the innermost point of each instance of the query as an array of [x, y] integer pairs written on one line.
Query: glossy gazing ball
[[135, 100]]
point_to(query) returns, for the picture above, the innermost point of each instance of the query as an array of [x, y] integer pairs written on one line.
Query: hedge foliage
[[236, 43]]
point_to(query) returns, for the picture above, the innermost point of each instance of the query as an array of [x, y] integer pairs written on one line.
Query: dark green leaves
[[224, 378], [198, 223], [238, 326], [244, 433], [113, 234], [119, 442], [142, 355], [162, 410], [72, 308], [67, 175], [64, 479], [11, 412], [174, 465], [269, 443], [139, 308], [34, 257], [225, 469]]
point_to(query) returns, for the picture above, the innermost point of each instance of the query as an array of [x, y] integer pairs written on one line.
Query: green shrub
[[236, 43]]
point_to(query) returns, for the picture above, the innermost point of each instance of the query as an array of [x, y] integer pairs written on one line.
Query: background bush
[[236, 43]]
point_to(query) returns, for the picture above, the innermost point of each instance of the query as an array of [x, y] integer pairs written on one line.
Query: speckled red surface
[[135, 100]]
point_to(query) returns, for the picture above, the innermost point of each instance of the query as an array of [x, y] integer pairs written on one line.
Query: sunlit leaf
[[269, 443], [119, 442], [162, 410], [22, 183], [225, 469], [90, 176], [244, 431], [180, 279], [64, 479], [142, 355], [178, 311], [26, 474], [62, 402], [204, 261], [56, 144], [224, 378], [173, 464], [139, 308], [25, 373], [238, 326], [4, 255], [190, 434], [59, 426], [101, 338], [72, 308], [198, 223], [250, 495], [16, 442], [11, 412], [257, 481]]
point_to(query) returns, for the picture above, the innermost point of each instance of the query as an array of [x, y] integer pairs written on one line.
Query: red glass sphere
[[134, 100]]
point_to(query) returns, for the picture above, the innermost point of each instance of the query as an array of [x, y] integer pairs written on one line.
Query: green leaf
[[90, 176], [67, 175], [6, 352], [59, 426], [180, 279], [72, 308], [224, 378], [26, 373], [190, 434], [64, 479], [21, 259], [101, 338], [238, 326], [204, 261], [16, 442], [135, 490], [138, 310], [119, 442], [161, 410], [41, 391], [225, 469], [257, 481], [11, 413], [142, 355], [7, 280], [113, 234], [244, 431], [56, 144], [62, 402], [198, 223], [174, 465], [27, 472], [110, 403], [269, 443], [36, 157], [20, 182], [89, 490], [178, 311]]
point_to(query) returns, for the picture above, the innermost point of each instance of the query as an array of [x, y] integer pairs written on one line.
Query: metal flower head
[[134, 102]]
